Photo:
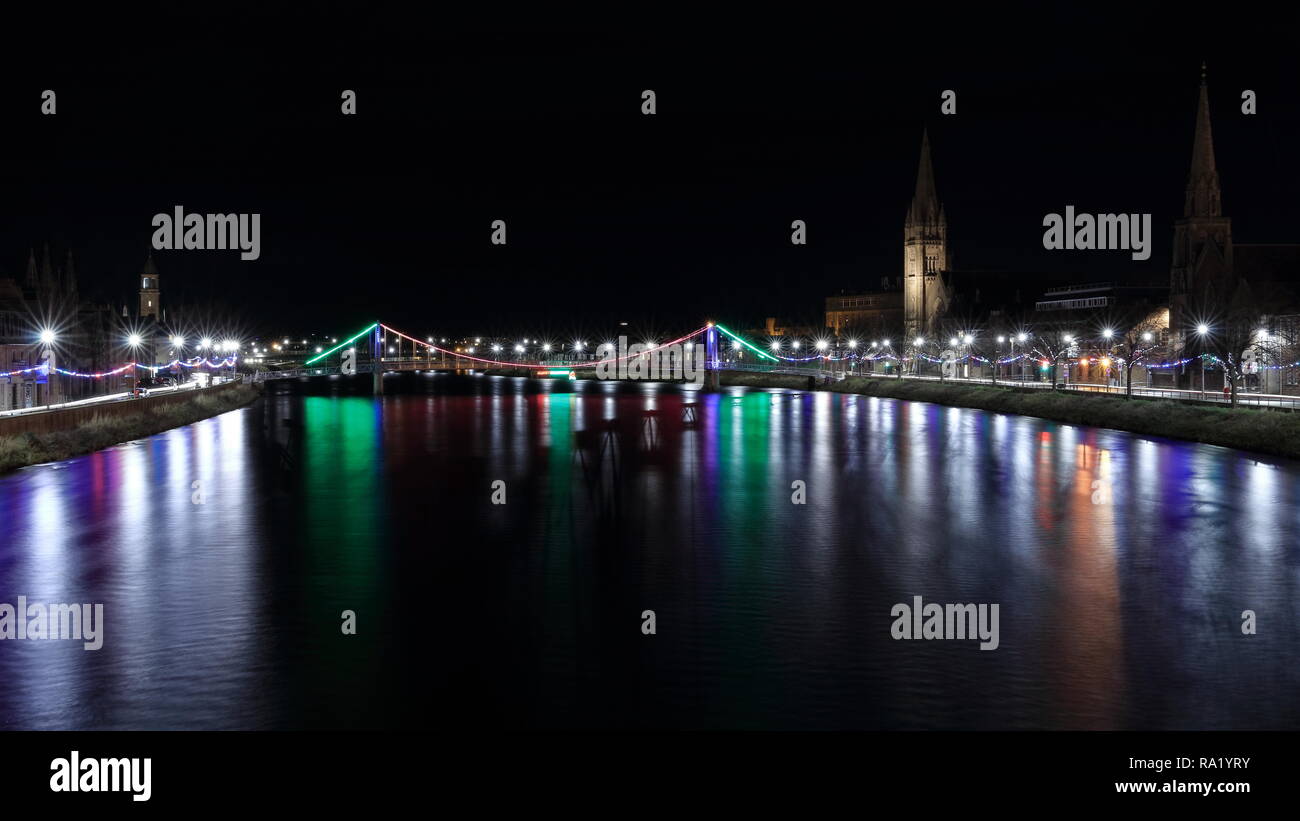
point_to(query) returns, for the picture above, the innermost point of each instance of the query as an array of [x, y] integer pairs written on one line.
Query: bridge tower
[[377, 360], [711, 363]]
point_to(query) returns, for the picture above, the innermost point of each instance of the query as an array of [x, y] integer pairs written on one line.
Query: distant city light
[[885, 343], [1202, 329], [822, 344], [776, 344], [853, 343], [133, 340], [1108, 333], [1146, 337], [1022, 337], [920, 341], [178, 341], [207, 343], [47, 337], [968, 339]]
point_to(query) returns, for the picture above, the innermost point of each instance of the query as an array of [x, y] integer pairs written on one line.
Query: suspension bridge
[[369, 351]]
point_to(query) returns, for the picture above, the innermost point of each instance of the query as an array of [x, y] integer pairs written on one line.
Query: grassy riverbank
[[757, 379], [1262, 431], [101, 432]]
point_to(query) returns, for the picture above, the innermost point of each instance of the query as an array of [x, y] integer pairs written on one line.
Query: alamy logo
[[652, 362], [35, 621], [208, 232], [75, 774], [946, 621], [1103, 232]]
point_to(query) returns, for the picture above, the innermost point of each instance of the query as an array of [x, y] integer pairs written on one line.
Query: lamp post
[[134, 341], [48, 338], [1021, 338], [1201, 331]]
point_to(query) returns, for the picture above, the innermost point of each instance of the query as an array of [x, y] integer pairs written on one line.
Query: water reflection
[[226, 554]]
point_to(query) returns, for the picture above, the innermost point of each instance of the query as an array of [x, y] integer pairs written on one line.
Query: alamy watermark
[[946, 621], [683, 361], [36, 621], [1103, 232], [208, 232]]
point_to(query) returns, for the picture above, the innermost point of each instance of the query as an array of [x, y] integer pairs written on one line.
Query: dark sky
[[665, 220]]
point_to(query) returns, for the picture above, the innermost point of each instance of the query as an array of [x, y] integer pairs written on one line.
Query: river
[[226, 552]]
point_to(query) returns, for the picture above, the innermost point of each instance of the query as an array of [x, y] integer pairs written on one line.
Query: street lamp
[[1202, 330], [47, 338]]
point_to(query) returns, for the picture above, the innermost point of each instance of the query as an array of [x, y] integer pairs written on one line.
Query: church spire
[[1203, 197], [925, 202]]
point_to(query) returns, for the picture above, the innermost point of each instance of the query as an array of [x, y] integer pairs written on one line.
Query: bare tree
[[1055, 341]]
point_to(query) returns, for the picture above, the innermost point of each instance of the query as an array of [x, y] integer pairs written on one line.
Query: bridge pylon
[[712, 364], [377, 360]]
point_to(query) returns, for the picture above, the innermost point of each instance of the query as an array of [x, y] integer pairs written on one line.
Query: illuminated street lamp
[[47, 337], [1202, 330]]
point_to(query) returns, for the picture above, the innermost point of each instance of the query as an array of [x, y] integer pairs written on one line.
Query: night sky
[[664, 221]]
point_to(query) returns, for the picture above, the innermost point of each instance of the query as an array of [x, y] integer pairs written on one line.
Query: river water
[[226, 552]]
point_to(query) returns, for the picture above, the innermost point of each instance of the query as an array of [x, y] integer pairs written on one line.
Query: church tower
[[150, 291], [925, 252], [1201, 272]]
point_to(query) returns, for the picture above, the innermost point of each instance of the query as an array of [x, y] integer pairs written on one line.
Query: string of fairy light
[[195, 362]]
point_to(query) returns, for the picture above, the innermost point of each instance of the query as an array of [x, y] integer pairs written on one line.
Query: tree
[[1055, 341], [1137, 343]]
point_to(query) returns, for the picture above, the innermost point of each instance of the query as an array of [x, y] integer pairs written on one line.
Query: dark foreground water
[[1118, 609]]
